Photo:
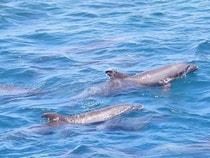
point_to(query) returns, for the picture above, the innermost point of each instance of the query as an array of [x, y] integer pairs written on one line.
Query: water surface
[[52, 50]]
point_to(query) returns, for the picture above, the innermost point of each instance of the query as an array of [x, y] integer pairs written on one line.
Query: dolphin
[[120, 82], [159, 76], [9, 90], [95, 116]]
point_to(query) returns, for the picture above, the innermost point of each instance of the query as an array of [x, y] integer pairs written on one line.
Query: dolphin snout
[[139, 107], [192, 68]]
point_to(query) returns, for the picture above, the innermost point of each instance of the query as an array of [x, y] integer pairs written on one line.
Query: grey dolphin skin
[[9, 90], [121, 82], [159, 76], [95, 116]]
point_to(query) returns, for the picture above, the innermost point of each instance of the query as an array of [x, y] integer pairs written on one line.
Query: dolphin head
[[191, 68]]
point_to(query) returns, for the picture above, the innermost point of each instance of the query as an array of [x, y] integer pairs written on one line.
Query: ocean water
[[51, 51]]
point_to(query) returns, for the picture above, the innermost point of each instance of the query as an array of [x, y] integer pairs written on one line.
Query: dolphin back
[[94, 116], [104, 114]]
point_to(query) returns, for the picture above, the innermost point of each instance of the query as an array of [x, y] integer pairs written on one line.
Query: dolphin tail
[[191, 68], [115, 74], [53, 117]]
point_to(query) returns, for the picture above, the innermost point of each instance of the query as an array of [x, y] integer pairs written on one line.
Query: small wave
[[84, 15], [202, 50], [84, 150], [4, 23], [158, 14], [20, 14], [203, 46], [80, 149]]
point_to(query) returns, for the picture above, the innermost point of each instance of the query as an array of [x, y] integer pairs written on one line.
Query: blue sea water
[[52, 50]]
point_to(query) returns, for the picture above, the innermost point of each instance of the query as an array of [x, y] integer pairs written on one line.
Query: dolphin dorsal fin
[[115, 74], [53, 117]]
